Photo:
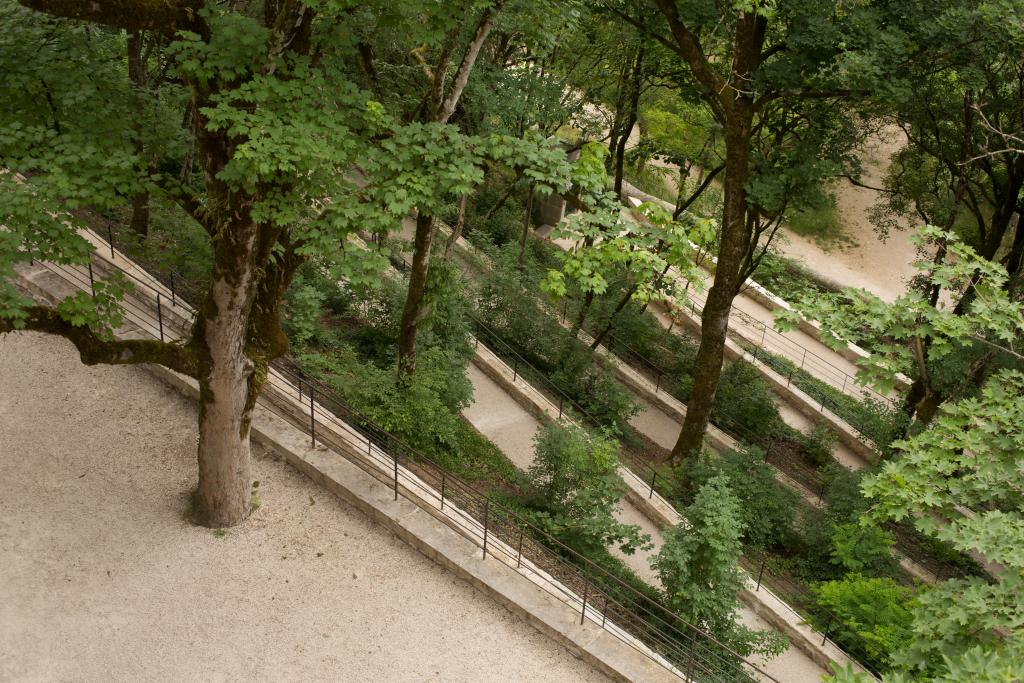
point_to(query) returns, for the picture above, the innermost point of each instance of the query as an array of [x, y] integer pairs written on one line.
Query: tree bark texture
[[414, 297]]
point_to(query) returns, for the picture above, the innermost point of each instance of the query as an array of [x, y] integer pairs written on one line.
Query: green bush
[[870, 617], [698, 568], [767, 508], [424, 414], [303, 306], [744, 404], [575, 486], [863, 549], [536, 336], [816, 446]]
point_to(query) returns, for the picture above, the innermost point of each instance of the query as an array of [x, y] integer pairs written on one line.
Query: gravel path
[[103, 580]]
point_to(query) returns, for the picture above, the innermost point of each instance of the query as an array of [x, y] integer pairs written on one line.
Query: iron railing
[[602, 598]]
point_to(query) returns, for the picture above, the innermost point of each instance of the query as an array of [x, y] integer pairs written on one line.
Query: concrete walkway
[[749, 318], [843, 454], [508, 425], [103, 580]]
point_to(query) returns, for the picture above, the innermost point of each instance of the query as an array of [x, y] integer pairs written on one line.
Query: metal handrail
[[800, 355], [698, 650]]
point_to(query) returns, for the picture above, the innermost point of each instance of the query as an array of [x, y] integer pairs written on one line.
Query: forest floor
[[103, 579]]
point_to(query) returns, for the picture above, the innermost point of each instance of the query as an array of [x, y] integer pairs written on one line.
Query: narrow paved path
[[843, 454], [509, 426]]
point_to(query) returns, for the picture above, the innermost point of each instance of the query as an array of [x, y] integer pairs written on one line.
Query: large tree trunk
[[226, 398], [227, 341], [715, 317], [414, 299], [224, 495]]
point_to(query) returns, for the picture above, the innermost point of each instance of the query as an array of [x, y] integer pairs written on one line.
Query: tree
[[576, 487], [438, 107], [698, 567], [771, 76], [984, 332], [278, 126], [958, 479], [955, 172], [970, 628], [645, 249]]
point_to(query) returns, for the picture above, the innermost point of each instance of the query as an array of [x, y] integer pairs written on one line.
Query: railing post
[[92, 283], [515, 368], [657, 384], [559, 407], [160, 315], [764, 331], [110, 241], [444, 482], [654, 478], [824, 633], [312, 417], [845, 377], [586, 592], [693, 652], [760, 574], [487, 511], [519, 551], [790, 378], [174, 301], [803, 358], [299, 382], [604, 611], [395, 457]]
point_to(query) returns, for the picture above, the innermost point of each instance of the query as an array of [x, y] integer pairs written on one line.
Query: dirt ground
[[101, 578], [861, 259]]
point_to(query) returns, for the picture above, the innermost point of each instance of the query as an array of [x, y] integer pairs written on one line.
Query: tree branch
[[189, 201], [483, 29], [162, 16], [95, 350]]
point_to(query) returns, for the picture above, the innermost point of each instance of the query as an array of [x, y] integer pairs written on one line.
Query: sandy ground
[[506, 423], [861, 258], [866, 261], [101, 579]]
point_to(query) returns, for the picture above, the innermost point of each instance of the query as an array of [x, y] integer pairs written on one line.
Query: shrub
[[575, 487], [424, 413], [817, 445], [767, 508], [744, 404], [863, 549], [303, 306], [698, 568], [870, 617]]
